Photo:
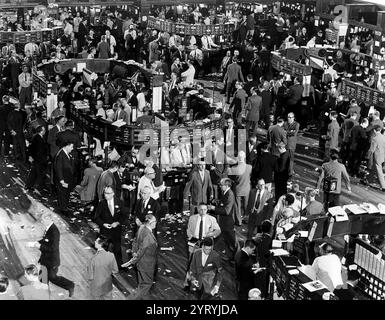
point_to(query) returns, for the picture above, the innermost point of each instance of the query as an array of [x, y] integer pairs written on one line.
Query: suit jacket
[[103, 215], [241, 174], [154, 52], [200, 190], [119, 180], [265, 208], [99, 272], [253, 106], [16, 121], [275, 135], [358, 138], [243, 273], [68, 135], [64, 169], [295, 94], [152, 207], [220, 164], [234, 73], [89, 182], [266, 103], [49, 247], [251, 153], [147, 250], [239, 101], [263, 246], [210, 224], [291, 133], [377, 148], [106, 179], [332, 135], [226, 210], [122, 115], [38, 150], [282, 167], [5, 110], [51, 140], [208, 275]]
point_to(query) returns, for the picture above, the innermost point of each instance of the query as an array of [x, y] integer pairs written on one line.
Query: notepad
[[276, 244], [279, 252], [369, 207]]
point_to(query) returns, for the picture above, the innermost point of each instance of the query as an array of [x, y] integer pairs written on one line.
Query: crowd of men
[[223, 191]]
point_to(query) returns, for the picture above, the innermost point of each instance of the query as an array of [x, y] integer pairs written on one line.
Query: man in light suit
[[120, 114], [233, 74], [241, 174], [206, 271], [377, 155], [154, 52], [64, 175], [259, 207], [199, 226], [253, 106], [109, 216], [275, 135], [217, 164], [226, 209], [199, 186], [145, 257], [100, 270], [107, 179]]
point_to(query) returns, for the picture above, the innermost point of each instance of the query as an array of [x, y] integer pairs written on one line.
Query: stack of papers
[[338, 213], [279, 252], [81, 105], [381, 208], [369, 207], [355, 209], [314, 285], [119, 123], [288, 226]]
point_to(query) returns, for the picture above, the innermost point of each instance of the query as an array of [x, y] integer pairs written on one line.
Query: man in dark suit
[[357, 146], [122, 183], [109, 216], [50, 255], [68, 135], [144, 206], [206, 271], [16, 121], [253, 106], [145, 257], [233, 74], [238, 103], [291, 127], [264, 166], [39, 152], [217, 163], [52, 135], [5, 134], [64, 175], [275, 135], [243, 269], [259, 207], [251, 149], [281, 174], [226, 209], [199, 186]]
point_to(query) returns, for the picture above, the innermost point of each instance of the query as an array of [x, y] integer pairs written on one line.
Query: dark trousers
[[145, 282], [280, 187], [252, 224], [5, 137], [25, 96], [354, 161], [116, 245], [36, 175], [228, 236], [59, 280], [291, 165], [63, 197], [19, 147], [230, 88], [331, 200]]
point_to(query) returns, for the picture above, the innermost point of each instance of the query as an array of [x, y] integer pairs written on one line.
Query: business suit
[[243, 274], [106, 179], [51, 140], [233, 74], [275, 135], [152, 207], [154, 52], [253, 107], [226, 210], [251, 153], [104, 215], [357, 146], [241, 174], [258, 212], [5, 135], [218, 168], [89, 182], [64, 170], [68, 135], [120, 179], [122, 115], [146, 259], [263, 168], [208, 275], [295, 95], [263, 245], [291, 134], [38, 151], [99, 274], [281, 174], [238, 105], [16, 122], [377, 155], [50, 257], [331, 138], [200, 191]]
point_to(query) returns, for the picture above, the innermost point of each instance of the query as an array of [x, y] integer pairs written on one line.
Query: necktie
[[143, 205], [258, 201], [111, 207], [201, 229], [214, 158]]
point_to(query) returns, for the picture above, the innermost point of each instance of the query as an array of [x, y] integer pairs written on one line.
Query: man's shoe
[[71, 291]]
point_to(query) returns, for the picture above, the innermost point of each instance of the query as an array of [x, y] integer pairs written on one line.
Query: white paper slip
[[279, 230], [118, 123], [295, 220], [355, 208], [167, 248], [342, 217], [314, 285], [276, 244], [291, 239], [369, 207], [381, 208], [335, 211], [293, 272], [288, 226], [279, 252], [303, 234]]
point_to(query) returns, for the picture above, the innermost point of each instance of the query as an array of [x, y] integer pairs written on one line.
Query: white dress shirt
[[111, 206], [189, 75], [204, 258], [328, 270]]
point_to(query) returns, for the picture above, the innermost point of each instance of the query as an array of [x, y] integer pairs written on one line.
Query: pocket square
[[210, 265]]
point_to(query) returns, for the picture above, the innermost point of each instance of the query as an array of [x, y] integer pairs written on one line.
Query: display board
[[31, 36], [371, 269], [190, 29], [289, 66], [363, 94]]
